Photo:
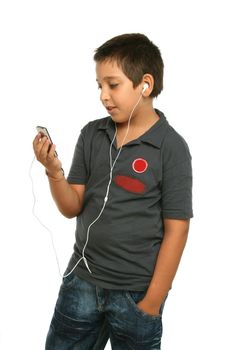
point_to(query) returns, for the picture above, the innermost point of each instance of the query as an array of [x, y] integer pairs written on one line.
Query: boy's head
[[136, 55]]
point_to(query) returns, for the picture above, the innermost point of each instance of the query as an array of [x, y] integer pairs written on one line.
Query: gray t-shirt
[[151, 180]]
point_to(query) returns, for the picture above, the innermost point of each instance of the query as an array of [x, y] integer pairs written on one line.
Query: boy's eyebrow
[[110, 77]]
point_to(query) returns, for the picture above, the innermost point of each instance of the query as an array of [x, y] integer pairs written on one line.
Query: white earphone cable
[[39, 220], [102, 209], [107, 192]]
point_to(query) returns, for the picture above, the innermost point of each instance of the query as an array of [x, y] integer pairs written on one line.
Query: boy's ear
[[148, 84]]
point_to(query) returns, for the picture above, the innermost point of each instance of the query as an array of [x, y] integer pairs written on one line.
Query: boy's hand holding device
[[45, 152]]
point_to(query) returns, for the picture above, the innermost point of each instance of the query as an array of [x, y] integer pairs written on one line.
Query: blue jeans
[[86, 316]]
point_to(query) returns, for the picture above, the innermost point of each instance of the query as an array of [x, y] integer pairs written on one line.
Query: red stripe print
[[129, 184]]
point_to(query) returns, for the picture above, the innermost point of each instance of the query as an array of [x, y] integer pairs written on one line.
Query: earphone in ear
[[145, 86]]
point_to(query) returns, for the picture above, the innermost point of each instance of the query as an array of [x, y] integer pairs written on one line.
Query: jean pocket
[[133, 298], [69, 281]]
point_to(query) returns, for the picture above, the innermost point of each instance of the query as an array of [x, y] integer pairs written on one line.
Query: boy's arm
[[68, 198], [175, 237]]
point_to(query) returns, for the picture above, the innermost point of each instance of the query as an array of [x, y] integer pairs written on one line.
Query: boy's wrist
[[55, 175], [155, 297]]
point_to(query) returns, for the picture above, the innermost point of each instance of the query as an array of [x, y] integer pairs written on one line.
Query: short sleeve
[[177, 182], [78, 170]]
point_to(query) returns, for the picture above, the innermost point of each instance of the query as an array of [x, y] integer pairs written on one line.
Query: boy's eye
[[113, 86]]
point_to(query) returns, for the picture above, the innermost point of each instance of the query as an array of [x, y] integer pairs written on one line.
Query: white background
[[47, 77]]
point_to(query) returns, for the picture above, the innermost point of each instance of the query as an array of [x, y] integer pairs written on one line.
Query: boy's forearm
[[170, 253], [65, 197]]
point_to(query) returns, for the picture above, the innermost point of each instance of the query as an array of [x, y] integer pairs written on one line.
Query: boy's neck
[[142, 121]]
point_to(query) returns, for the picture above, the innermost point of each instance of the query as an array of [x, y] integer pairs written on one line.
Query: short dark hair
[[136, 55]]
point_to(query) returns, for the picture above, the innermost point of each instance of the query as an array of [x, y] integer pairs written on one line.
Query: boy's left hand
[[148, 308]]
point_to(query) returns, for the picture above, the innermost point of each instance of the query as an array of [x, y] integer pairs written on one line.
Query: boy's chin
[[119, 119]]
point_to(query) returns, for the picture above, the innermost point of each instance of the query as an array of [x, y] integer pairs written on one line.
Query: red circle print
[[139, 165]]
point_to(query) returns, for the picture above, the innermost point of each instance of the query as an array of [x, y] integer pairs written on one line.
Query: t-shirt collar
[[153, 136]]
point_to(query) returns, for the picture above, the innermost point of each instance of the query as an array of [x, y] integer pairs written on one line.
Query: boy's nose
[[104, 95]]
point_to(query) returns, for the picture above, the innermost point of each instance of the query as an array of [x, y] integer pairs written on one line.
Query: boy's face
[[117, 92]]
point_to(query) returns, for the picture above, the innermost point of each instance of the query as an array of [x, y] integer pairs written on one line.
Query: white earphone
[[145, 86]]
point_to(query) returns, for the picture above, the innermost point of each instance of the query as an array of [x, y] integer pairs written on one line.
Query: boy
[[130, 187]]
